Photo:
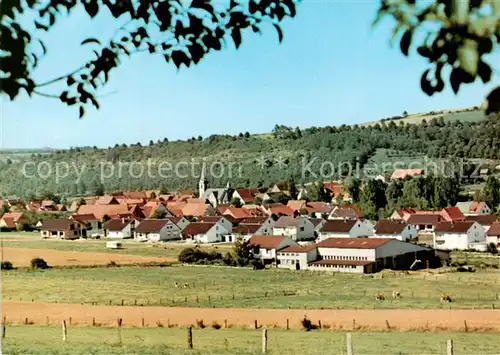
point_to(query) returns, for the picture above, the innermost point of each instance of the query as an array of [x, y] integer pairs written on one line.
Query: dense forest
[[249, 160]]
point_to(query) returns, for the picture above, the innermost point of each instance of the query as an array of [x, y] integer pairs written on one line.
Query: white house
[[266, 221], [222, 221], [396, 229], [156, 230], [493, 234], [269, 245], [486, 220], [299, 228], [62, 229], [246, 230], [95, 226], [459, 235], [425, 223], [297, 257], [344, 212], [180, 221], [120, 228], [345, 228], [208, 232], [365, 255], [474, 208]]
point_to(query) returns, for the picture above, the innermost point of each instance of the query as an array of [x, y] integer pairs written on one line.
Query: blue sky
[[332, 68]]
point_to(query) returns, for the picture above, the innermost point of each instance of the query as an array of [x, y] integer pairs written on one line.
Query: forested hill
[[264, 159]]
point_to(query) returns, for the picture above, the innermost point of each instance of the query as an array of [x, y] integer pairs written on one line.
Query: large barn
[[357, 255]]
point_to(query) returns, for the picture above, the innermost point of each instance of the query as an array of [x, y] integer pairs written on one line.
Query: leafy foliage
[[182, 32], [243, 254], [451, 34]]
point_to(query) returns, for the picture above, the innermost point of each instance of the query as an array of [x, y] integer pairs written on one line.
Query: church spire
[[202, 184]]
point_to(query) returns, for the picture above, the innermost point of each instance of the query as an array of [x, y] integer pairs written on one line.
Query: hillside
[[307, 155], [471, 114]]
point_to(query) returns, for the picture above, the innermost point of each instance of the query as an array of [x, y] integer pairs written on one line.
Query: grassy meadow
[[38, 340], [242, 287], [130, 247]]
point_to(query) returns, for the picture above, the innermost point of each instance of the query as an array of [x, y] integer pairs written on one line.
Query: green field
[[82, 341], [34, 241], [241, 287]]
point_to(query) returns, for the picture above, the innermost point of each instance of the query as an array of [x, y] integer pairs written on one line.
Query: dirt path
[[23, 256], [435, 319]]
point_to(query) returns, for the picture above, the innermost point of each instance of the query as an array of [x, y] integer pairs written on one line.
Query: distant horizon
[[173, 139]]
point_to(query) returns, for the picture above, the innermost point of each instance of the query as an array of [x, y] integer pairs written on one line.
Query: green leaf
[[469, 57], [406, 42], [90, 40], [236, 34], [484, 71], [425, 84], [82, 112], [280, 32], [91, 7]]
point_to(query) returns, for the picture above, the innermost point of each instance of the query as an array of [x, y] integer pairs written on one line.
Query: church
[[213, 196]]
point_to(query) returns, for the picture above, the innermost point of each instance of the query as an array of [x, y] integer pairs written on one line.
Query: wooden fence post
[[190, 338], [449, 347], [264, 340], [3, 327], [466, 328], [287, 324], [348, 339], [93, 321], [225, 323], [142, 322], [256, 324], [64, 331], [119, 325]]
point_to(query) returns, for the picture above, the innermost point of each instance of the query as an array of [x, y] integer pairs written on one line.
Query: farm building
[[63, 229], [459, 235], [297, 228], [156, 230], [366, 255], [269, 245], [297, 257], [345, 228], [397, 229], [181, 222]]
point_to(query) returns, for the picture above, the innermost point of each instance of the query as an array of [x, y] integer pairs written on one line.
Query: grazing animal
[[379, 297], [176, 285], [186, 285], [445, 298], [396, 294]]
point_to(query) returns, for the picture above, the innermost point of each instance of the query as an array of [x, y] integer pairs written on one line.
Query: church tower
[[203, 183]]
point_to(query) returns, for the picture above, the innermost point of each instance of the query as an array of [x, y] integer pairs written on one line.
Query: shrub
[[492, 248], [257, 265], [39, 263], [6, 265], [216, 325], [200, 324]]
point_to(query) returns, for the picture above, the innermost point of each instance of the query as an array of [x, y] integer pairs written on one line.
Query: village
[[298, 235]]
